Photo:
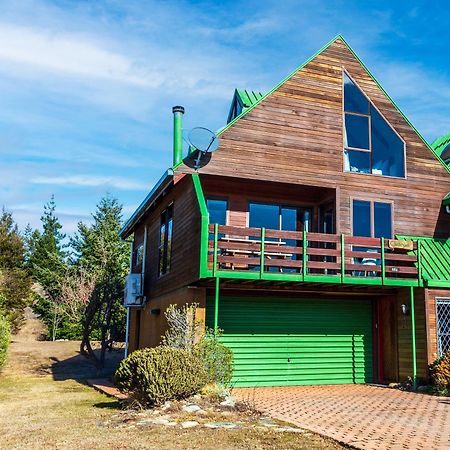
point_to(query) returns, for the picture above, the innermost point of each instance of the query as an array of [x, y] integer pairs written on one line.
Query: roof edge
[[339, 36], [141, 209]]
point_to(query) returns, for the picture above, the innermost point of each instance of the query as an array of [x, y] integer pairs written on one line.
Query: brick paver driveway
[[365, 417]]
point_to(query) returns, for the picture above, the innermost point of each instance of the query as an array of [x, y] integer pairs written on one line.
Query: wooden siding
[[153, 326], [430, 304], [405, 336], [185, 240], [295, 136]]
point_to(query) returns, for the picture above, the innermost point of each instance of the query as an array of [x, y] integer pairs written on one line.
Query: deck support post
[[413, 337], [342, 258], [261, 264], [216, 237], [216, 305]]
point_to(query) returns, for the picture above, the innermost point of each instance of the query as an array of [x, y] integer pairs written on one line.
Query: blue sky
[[87, 87]]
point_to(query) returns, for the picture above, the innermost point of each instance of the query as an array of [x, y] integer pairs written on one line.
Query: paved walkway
[[366, 417]]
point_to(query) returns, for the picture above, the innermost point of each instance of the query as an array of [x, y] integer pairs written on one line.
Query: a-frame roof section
[[341, 38]]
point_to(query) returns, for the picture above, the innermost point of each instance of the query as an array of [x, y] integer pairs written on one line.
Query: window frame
[[446, 300], [372, 215], [163, 247], [344, 148]]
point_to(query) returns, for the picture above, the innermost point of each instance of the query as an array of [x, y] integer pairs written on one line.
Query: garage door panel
[[288, 341]]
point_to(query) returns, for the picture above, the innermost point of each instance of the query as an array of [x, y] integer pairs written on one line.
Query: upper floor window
[[138, 255], [217, 209], [278, 217], [370, 144], [372, 219], [165, 241]]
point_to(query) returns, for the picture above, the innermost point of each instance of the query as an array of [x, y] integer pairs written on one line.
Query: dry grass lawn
[[44, 403]]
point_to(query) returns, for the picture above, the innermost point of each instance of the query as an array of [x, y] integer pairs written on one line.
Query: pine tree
[[101, 253], [15, 284], [46, 262]]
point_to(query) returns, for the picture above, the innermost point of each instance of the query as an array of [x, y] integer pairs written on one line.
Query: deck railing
[[259, 253]]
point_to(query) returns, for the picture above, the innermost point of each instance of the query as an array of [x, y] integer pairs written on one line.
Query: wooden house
[[316, 236]]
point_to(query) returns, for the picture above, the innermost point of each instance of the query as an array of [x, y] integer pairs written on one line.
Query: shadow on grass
[[80, 368], [109, 405]]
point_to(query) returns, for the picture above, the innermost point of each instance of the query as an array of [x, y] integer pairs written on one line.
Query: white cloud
[[70, 54], [91, 181]]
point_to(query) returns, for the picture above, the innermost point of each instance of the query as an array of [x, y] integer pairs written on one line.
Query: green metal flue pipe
[[178, 112]]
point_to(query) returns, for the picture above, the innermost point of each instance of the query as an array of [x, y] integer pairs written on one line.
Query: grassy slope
[[37, 411]]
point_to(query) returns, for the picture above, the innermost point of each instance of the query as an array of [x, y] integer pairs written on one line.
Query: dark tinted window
[[217, 210], [382, 220], [356, 131], [354, 99], [267, 216], [356, 161], [388, 157], [165, 241], [361, 218]]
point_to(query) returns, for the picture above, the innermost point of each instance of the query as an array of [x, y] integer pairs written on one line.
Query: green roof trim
[[242, 100], [446, 201], [339, 36], [434, 260], [440, 144]]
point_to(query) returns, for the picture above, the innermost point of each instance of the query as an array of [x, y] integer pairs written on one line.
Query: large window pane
[[289, 219], [383, 220], [354, 99], [361, 218], [355, 161], [217, 210], [356, 131], [388, 157], [267, 216]]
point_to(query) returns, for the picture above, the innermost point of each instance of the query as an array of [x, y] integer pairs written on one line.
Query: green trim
[[383, 262], [413, 337], [216, 235], [304, 255], [204, 272], [261, 265], [446, 201], [216, 304]]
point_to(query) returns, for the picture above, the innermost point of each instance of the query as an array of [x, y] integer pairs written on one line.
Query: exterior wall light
[[405, 309]]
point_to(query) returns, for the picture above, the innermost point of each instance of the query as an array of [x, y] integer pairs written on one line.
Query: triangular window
[[370, 144]]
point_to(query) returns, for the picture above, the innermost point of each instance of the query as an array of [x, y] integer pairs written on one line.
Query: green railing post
[[261, 266], [304, 254], [383, 262], [419, 264], [204, 233], [342, 258], [216, 305], [413, 337], [216, 234]]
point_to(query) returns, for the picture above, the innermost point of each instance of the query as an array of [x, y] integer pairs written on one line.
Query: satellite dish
[[204, 141]]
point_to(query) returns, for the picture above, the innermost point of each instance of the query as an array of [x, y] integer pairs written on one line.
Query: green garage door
[[286, 341]]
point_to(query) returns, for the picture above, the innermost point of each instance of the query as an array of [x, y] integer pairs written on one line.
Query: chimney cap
[[178, 109]]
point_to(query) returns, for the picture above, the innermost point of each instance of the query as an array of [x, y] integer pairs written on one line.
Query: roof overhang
[[151, 198]]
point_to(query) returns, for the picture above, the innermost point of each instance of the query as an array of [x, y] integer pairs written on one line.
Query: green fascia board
[[339, 36]]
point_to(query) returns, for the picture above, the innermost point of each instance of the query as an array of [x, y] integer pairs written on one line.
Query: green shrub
[[216, 357], [154, 375], [4, 340], [440, 372]]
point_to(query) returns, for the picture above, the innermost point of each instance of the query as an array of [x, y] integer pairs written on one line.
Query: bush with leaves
[[440, 372], [154, 375], [4, 339], [216, 357]]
